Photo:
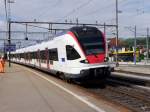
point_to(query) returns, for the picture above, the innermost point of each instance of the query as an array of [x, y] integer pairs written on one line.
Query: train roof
[[83, 28], [73, 29]]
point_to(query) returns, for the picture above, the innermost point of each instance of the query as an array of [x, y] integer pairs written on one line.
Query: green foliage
[[140, 41], [129, 42], [141, 56]]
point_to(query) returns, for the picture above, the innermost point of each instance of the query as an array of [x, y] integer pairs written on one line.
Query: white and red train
[[77, 54]]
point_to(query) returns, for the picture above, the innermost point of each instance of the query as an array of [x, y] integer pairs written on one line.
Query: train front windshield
[[91, 40]]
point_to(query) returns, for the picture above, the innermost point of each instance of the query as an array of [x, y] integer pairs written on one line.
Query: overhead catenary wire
[[135, 12], [50, 8], [74, 10], [55, 29], [99, 9], [34, 26]]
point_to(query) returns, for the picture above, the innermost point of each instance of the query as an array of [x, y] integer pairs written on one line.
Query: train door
[[62, 56], [29, 58], [47, 58], [24, 57], [38, 58]]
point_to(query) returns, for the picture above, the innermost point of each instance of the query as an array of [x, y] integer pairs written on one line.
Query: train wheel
[[62, 76], [69, 81]]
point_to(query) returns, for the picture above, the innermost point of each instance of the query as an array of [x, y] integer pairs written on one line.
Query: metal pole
[[106, 46], [77, 20], [4, 47], [19, 44], [26, 38], [9, 40], [105, 29], [51, 28], [147, 44], [9, 11], [117, 34], [135, 45]]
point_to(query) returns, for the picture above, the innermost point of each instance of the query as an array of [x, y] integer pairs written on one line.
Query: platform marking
[[70, 92]]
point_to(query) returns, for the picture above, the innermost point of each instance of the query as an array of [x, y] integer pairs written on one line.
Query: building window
[[72, 54]]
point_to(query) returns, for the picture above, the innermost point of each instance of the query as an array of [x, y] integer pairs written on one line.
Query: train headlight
[[106, 59], [84, 61], [82, 71]]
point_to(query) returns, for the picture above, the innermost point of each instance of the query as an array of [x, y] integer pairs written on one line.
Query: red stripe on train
[[75, 38], [91, 58]]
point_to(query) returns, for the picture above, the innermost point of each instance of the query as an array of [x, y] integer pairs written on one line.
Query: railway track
[[133, 97], [128, 94], [122, 93], [139, 79]]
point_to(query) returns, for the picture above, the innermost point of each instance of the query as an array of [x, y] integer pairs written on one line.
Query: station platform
[[135, 69], [27, 90]]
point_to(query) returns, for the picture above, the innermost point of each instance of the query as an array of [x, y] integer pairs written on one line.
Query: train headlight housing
[[84, 61], [106, 59]]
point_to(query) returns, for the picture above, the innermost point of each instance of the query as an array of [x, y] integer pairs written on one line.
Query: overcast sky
[[133, 12]]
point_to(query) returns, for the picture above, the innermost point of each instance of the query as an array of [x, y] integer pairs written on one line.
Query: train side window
[[33, 55], [25, 55], [43, 56], [28, 56], [18, 56], [72, 54], [21, 55], [53, 54], [38, 55]]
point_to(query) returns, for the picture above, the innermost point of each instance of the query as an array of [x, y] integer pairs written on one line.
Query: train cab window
[[53, 54], [72, 54]]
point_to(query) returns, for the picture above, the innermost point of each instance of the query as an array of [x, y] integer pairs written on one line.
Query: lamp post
[[135, 45], [9, 27], [9, 40], [117, 33], [9, 9], [147, 44]]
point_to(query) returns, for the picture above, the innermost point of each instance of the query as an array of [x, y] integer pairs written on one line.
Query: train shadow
[[97, 84]]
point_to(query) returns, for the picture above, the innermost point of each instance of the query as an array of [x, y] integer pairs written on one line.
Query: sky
[[132, 12]]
